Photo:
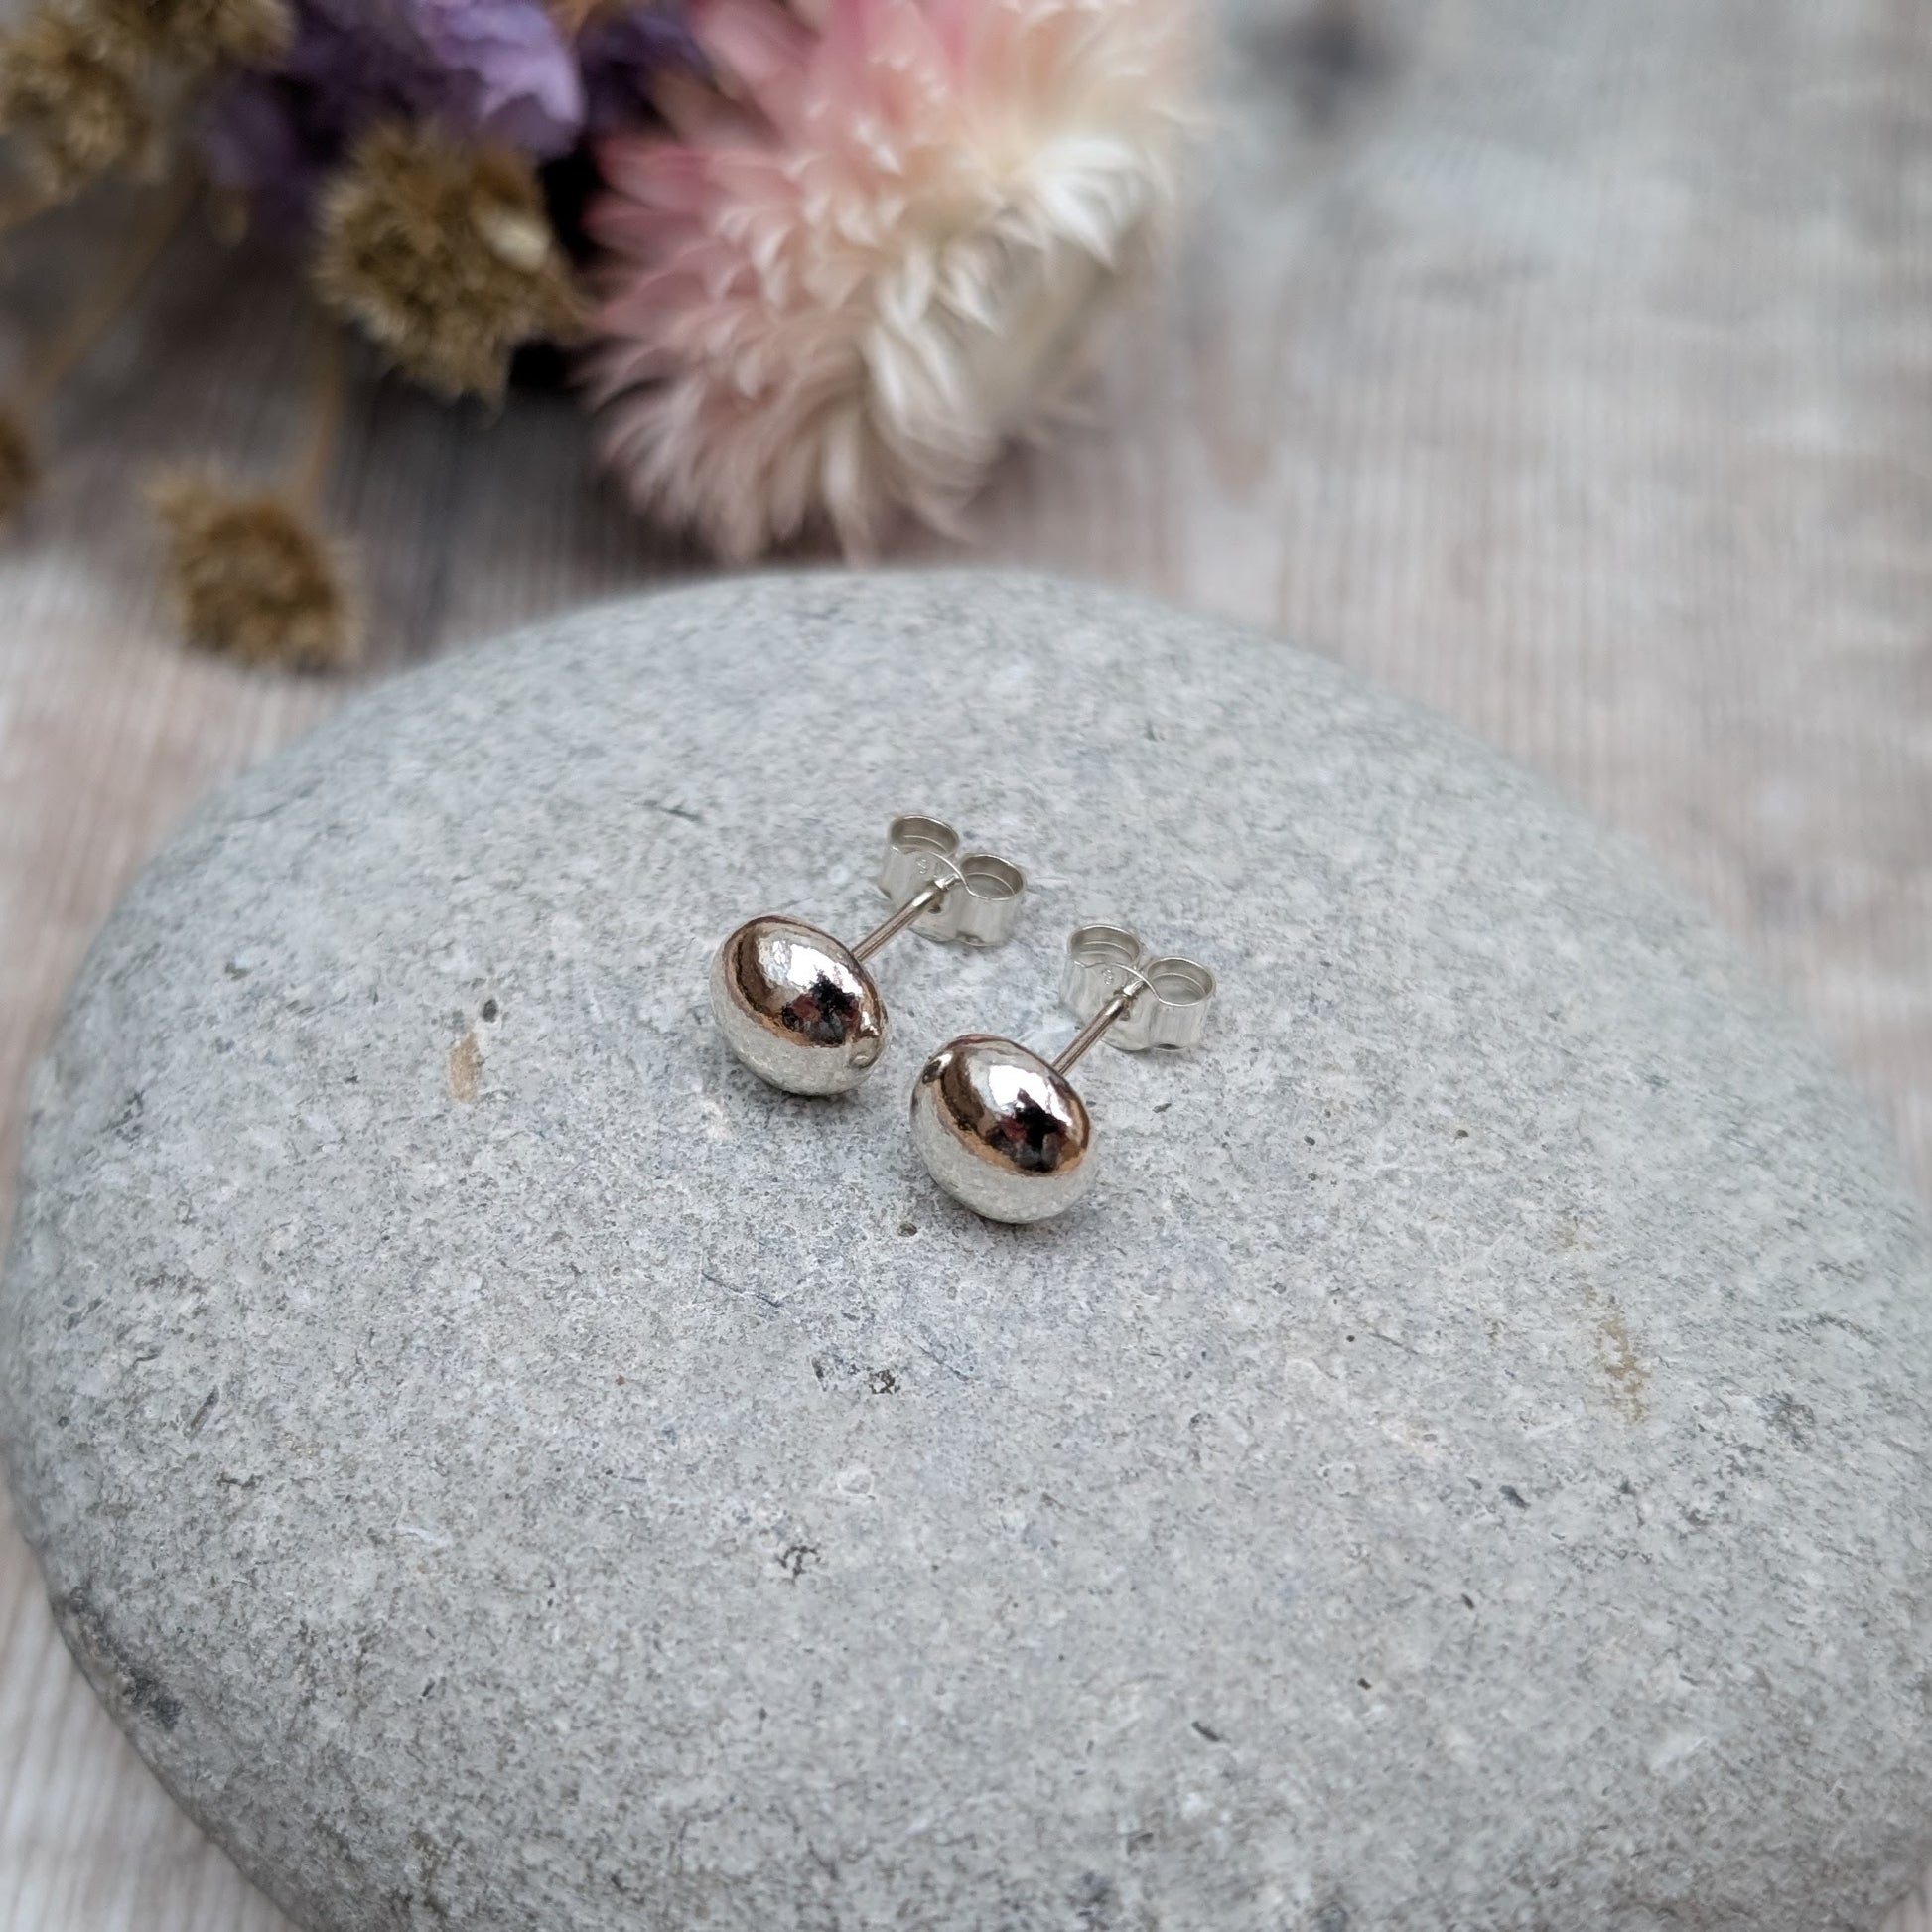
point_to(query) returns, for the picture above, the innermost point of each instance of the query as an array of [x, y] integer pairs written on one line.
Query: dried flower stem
[[57, 358], [255, 575], [26, 204], [63, 352], [309, 478]]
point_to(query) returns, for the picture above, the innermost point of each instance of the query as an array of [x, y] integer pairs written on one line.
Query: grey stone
[[1463, 1466]]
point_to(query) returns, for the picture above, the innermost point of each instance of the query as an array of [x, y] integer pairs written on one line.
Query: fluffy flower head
[[71, 94], [840, 295], [196, 32], [444, 255], [253, 581]]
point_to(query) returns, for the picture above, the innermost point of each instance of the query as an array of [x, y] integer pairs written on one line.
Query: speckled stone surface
[[1465, 1465]]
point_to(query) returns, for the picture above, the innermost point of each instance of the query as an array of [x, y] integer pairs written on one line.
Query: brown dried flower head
[[445, 256], [253, 581], [70, 94], [20, 470], [197, 32]]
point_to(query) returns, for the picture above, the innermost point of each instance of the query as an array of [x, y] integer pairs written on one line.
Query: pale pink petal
[[840, 306]]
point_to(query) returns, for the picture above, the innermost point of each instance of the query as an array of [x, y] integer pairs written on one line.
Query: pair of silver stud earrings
[[1000, 1128]]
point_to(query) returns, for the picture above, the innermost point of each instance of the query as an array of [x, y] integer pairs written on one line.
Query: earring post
[[1098, 1025], [921, 903]]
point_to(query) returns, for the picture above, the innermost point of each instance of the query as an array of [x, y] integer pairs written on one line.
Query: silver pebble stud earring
[[1003, 1130], [802, 1012]]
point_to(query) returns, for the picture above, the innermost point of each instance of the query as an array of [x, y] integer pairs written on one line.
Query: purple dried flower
[[511, 76], [497, 72]]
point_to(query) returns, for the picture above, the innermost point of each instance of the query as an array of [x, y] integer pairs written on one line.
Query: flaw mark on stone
[[201, 1414], [796, 1558], [465, 1070], [1511, 1496], [138, 1688], [146, 1695], [1626, 1375], [1209, 1732], [1792, 1419], [674, 811]]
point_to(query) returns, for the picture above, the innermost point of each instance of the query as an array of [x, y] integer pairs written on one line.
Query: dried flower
[[509, 75], [256, 33], [842, 294], [445, 257], [20, 470], [69, 92], [253, 581], [491, 73], [275, 137]]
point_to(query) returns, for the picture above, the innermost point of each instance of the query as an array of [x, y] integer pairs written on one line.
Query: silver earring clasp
[[969, 898], [1137, 1002]]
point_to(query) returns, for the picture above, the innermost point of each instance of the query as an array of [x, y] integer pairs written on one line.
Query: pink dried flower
[[839, 294]]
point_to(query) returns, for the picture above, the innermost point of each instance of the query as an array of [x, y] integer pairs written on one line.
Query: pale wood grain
[[1566, 366]]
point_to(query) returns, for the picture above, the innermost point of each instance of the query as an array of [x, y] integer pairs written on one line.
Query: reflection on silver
[[796, 1008], [1000, 1131]]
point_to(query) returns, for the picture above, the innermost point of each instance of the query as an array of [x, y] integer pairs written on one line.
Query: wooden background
[[1566, 365]]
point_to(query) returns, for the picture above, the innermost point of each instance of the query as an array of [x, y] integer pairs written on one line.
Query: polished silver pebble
[[1003, 1130], [797, 1007], [802, 1011]]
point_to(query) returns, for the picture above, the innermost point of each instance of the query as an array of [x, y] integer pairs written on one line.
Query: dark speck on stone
[[1511, 1496]]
